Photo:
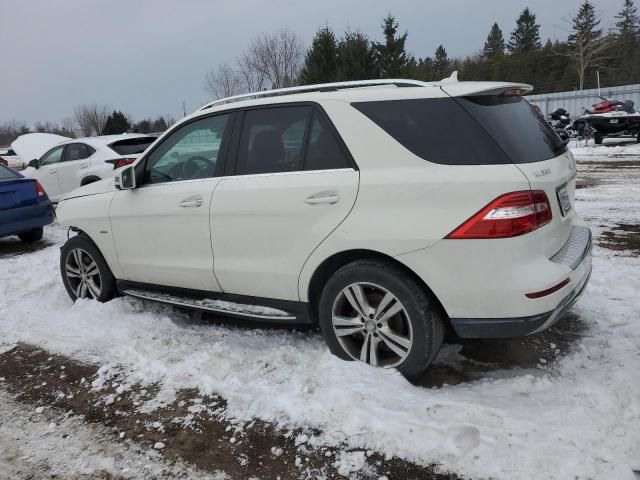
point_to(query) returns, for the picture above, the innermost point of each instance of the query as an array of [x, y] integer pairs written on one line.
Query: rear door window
[[323, 150], [482, 130], [77, 151], [272, 140]]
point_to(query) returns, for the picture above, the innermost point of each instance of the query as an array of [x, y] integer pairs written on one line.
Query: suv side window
[[323, 151], [272, 140], [190, 152], [52, 156], [77, 151]]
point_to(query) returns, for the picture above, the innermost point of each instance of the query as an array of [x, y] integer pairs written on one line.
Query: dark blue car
[[24, 206]]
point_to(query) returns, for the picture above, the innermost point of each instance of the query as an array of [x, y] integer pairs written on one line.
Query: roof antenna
[[452, 79]]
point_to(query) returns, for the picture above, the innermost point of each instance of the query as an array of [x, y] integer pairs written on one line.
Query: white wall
[[576, 101]]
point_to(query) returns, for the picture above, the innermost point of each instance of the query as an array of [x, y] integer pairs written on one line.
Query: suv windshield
[[478, 130]]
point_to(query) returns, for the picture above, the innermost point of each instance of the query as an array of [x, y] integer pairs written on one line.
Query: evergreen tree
[[356, 58], [441, 63], [391, 56], [586, 44], [494, 46], [116, 124], [626, 48], [526, 36], [321, 60]]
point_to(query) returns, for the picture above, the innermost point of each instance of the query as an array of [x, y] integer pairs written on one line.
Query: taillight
[[507, 216], [121, 162], [40, 189]]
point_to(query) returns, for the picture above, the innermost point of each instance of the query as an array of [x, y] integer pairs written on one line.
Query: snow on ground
[[578, 418], [611, 148], [34, 444]]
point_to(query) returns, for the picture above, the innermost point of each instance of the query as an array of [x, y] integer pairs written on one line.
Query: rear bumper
[[518, 326], [23, 219]]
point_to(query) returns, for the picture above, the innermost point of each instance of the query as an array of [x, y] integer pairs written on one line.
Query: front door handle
[[191, 203], [318, 200]]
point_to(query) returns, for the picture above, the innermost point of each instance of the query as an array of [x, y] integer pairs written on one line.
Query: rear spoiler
[[467, 89]]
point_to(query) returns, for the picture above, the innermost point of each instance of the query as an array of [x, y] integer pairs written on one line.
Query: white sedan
[[80, 161]]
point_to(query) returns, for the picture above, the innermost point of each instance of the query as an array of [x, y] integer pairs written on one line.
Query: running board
[[223, 307]]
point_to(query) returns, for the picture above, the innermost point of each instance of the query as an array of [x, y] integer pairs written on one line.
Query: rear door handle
[[317, 200], [53, 170], [84, 165], [191, 203]]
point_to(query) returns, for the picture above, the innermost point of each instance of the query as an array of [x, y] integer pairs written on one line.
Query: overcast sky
[[147, 57]]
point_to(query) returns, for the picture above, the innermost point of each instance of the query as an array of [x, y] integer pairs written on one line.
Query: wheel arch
[[89, 179], [338, 260]]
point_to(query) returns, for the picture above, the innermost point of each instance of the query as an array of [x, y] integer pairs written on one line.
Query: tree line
[[279, 60], [88, 120]]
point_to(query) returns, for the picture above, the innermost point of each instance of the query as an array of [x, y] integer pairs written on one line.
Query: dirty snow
[[66, 447], [576, 418]]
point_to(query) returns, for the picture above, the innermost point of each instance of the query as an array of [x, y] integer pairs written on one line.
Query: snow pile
[[577, 418]]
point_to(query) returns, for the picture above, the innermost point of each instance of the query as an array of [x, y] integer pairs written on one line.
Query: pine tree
[[526, 36], [356, 57], [626, 47], [441, 63], [116, 124], [628, 24], [586, 44], [391, 56], [494, 46], [321, 60]]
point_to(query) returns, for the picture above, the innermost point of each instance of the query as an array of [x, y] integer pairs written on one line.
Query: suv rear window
[[132, 146], [479, 130]]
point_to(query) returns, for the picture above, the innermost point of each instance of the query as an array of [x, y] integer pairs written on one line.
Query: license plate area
[[563, 199]]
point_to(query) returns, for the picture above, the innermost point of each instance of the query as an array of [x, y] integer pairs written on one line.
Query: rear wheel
[[85, 272], [376, 313], [31, 236]]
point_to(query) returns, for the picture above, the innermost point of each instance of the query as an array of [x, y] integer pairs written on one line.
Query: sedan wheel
[[83, 274], [372, 325]]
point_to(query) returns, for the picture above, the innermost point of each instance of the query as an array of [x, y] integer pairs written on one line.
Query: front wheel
[[376, 313], [85, 272]]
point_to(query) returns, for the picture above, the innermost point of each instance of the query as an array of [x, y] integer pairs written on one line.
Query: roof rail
[[322, 87]]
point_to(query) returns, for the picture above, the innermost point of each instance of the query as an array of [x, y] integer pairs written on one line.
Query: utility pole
[[184, 109], [598, 77]]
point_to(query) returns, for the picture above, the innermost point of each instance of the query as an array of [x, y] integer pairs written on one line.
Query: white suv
[[384, 211], [80, 161]]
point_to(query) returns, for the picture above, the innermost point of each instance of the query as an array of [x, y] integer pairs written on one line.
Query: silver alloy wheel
[[83, 274], [372, 325]]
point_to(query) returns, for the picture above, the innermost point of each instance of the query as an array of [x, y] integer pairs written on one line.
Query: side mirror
[[34, 163], [125, 178]]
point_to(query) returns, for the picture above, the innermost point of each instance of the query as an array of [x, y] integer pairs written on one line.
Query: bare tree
[[81, 116], [275, 57], [223, 82], [91, 118], [270, 61]]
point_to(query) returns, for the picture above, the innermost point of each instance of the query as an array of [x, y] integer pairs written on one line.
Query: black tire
[[32, 235], [107, 282], [598, 137], [424, 315]]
